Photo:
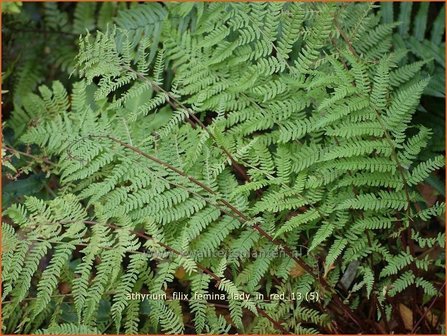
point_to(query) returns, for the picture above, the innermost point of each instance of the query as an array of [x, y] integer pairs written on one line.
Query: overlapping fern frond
[[198, 130]]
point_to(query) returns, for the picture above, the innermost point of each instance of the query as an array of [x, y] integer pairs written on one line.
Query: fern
[[248, 150]]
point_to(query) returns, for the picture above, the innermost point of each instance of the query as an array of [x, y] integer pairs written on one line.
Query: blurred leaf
[[436, 183], [420, 21], [438, 29], [387, 12], [11, 7], [68, 313], [24, 187], [428, 193], [404, 17], [407, 316]]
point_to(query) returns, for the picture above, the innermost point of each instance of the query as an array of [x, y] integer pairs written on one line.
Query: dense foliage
[[276, 162]]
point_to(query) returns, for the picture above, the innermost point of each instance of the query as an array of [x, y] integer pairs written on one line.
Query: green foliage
[[422, 34], [11, 7], [196, 135]]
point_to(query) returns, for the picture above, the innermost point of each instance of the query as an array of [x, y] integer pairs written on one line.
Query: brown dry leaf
[[296, 271], [428, 193], [407, 316], [247, 319], [330, 268], [226, 314], [332, 327], [64, 288], [382, 326], [180, 273], [169, 291], [186, 317], [431, 318]]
